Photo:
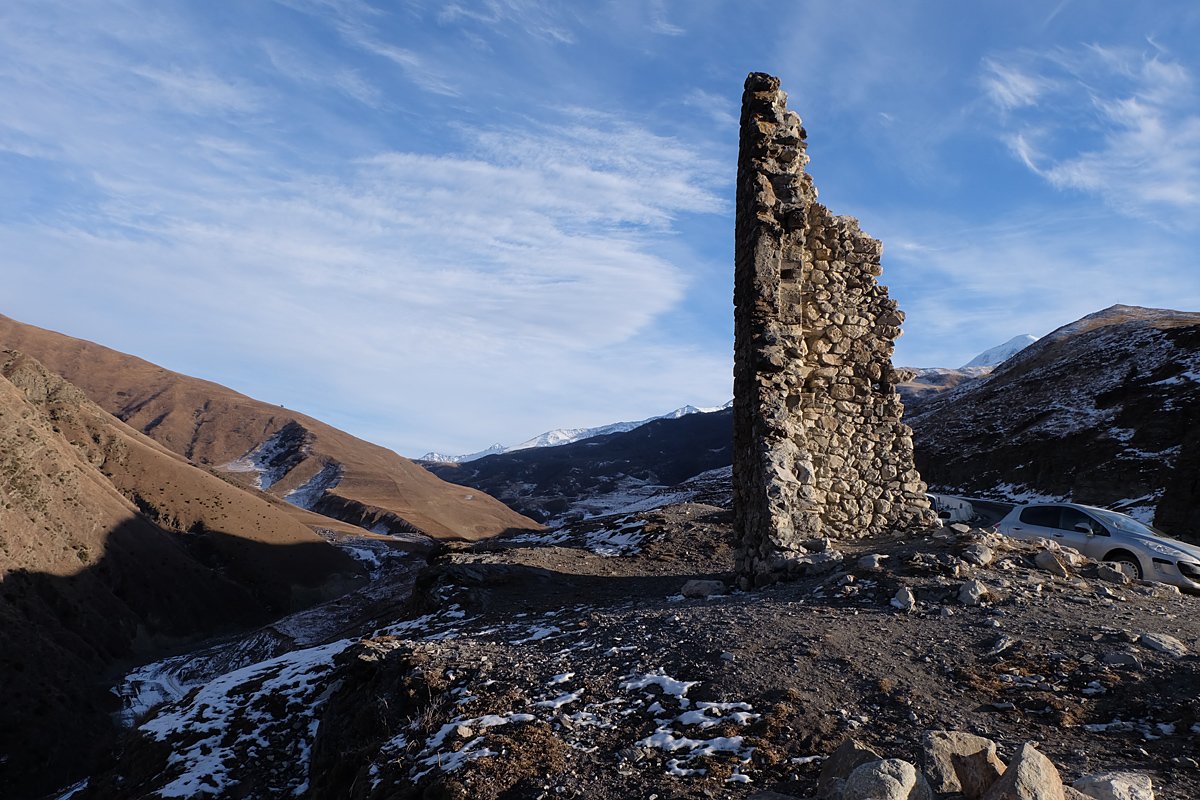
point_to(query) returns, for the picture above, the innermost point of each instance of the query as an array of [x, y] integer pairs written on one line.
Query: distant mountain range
[[928, 381], [561, 436], [999, 354], [1105, 410]]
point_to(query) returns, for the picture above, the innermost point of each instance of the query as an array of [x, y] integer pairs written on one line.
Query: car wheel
[[1126, 558]]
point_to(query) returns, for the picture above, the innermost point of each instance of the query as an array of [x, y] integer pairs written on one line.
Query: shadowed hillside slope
[[546, 481], [266, 446], [115, 549], [1105, 410]]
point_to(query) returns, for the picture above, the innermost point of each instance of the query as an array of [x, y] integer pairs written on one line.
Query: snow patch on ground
[[268, 460], [1020, 494], [203, 765], [309, 494], [623, 536]]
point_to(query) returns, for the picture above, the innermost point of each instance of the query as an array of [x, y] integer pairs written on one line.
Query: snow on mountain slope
[[604, 473], [1102, 411], [928, 382], [1001, 353], [561, 436]]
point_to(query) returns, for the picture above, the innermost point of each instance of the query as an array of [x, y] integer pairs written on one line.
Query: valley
[[634, 515]]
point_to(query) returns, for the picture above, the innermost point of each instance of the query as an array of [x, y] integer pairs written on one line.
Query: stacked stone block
[[819, 448]]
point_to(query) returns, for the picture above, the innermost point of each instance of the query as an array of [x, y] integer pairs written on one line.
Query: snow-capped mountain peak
[[442, 458], [561, 436], [1000, 353]]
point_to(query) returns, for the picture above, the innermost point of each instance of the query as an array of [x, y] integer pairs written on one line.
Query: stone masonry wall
[[819, 448]]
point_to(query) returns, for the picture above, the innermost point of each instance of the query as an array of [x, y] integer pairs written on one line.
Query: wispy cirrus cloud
[[1118, 123], [301, 67], [519, 263], [1030, 272]]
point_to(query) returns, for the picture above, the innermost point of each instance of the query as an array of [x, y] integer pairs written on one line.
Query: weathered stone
[[978, 554], [789, 565], [1031, 776], [1122, 660], [1116, 786], [812, 361], [1048, 561], [1112, 573], [847, 758], [961, 762], [872, 562], [972, 593], [888, 779], [702, 588], [1163, 643], [904, 600]]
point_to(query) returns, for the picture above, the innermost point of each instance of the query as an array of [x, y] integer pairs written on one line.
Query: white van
[[951, 509]]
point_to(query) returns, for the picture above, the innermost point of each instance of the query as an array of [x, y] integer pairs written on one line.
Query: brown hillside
[[88, 583], [216, 426]]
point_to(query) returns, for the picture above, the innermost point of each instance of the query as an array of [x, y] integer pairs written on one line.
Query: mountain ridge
[[562, 436], [215, 426]]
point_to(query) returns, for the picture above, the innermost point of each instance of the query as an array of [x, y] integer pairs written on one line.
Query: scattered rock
[[961, 762], [872, 562], [1122, 660], [851, 755], [1031, 776], [1112, 574], [979, 554], [904, 599], [960, 527], [703, 588], [818, 545], [1164, 644], [1116, 786], [792, 565], [1001, 644], [888, 779], [1047, 560], [973, 592]]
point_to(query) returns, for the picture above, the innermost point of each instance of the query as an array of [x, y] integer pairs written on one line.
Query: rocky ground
[[570, 664]]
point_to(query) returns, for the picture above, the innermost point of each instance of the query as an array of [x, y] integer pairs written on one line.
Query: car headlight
[[1166, 550]]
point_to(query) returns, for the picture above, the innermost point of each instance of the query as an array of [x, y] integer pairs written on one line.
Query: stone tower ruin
[[818, 446]]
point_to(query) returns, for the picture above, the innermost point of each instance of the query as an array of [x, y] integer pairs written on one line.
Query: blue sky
[[443, 225]]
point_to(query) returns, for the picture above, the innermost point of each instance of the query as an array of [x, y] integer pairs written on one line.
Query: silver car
[[1106, 535]]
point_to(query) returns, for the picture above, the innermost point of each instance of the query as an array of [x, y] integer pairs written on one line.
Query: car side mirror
[[1083, 527]]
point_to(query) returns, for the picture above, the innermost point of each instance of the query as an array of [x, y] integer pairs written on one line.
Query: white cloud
[[966, 288], [515, 276], [303, 67], [1108, 121], [1010, 87]]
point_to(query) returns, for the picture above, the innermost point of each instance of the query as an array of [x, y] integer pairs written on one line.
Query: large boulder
[[1031, 776], [887, 779], [847, 758], [961, 762], [1116, 786]]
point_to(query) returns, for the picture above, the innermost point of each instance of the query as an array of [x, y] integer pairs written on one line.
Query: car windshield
[[1128, 524]]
